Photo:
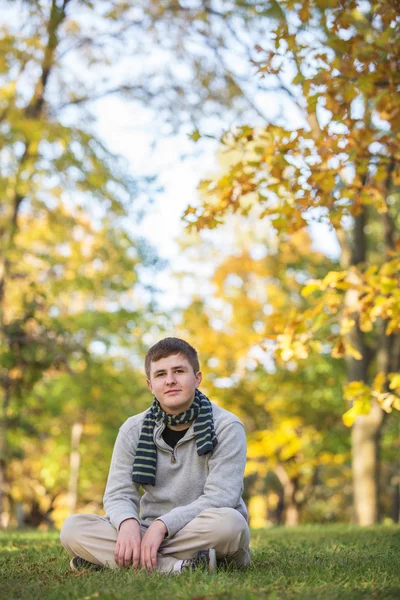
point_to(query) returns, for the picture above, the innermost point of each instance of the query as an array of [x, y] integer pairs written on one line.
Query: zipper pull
[[173, 457]]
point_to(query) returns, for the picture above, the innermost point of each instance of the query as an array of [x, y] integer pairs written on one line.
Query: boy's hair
[[167, 347]]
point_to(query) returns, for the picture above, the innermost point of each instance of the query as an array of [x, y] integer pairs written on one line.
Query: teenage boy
[[188, 455]]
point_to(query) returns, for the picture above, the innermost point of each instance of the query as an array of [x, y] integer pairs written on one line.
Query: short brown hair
[[167, 347]]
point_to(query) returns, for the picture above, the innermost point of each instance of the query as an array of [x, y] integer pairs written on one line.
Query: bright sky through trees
[[127, 129]]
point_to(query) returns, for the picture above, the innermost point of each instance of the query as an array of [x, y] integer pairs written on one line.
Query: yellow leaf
[[346, 325], [287, 354], [315, 345], [311, 287], [349, 349], [195, 135], [356, 389], [365, 322], [331, 279], [379, 382], [349, 417], [392, 327], [328, 182], [394, 379]]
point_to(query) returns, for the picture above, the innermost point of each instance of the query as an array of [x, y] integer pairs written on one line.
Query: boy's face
[[173, 382]]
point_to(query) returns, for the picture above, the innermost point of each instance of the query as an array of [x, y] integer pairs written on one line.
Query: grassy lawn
[[316, 562]]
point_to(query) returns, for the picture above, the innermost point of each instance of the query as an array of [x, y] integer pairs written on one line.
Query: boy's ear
[[149, 384], [199, 377]]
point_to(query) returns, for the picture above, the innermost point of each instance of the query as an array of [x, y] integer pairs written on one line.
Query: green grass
[[315, 562]]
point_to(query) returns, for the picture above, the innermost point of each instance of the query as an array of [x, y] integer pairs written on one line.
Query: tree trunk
[[20, 514], [366, 430], [291, 507], [4, 516], [75, 461], [366, 434], [365, 454], [396, 500], [280, 508]]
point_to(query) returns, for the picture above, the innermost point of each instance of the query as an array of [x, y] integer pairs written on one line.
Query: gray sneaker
[[206, 560], [79, 564]]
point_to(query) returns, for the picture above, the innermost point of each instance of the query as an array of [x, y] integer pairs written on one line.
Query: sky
[[179, 173]]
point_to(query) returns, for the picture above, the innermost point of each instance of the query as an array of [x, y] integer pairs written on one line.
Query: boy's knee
[[229, 524], [69, 531]]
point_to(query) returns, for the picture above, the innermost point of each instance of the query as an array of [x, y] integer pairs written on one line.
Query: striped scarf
[[145, 463]]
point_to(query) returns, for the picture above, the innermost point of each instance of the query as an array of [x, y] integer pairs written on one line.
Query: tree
[[70, 307], [51, 477], [66, 255], [292, 413], [187, 61], [342, 168]]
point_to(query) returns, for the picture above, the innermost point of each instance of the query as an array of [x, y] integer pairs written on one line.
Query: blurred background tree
[[293, 420], [299, 455], [341, 168], [68, 265]]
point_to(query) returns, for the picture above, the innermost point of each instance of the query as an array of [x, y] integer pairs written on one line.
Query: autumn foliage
[[341, 167]]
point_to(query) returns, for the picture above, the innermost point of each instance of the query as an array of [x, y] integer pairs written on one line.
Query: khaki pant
[[93, 538]]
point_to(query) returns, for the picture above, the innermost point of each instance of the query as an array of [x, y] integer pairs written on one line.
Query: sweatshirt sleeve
[[122, 496], [224, 484]]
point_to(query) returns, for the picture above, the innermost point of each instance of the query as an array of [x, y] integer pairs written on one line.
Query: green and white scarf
[[145, 463]]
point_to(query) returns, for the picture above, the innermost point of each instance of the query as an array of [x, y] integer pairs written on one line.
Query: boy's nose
[[170, 378]]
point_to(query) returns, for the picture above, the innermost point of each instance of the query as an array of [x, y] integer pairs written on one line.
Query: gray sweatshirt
[[186, 483]]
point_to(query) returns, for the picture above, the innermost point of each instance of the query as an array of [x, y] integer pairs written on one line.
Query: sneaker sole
[[84, 567], [212, 562], [72, 566]]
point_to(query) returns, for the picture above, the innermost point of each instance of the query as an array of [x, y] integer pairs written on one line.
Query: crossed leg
[[93, 538]]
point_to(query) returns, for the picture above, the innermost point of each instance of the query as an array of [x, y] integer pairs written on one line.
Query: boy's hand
[[129, 538], [150, 544]]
